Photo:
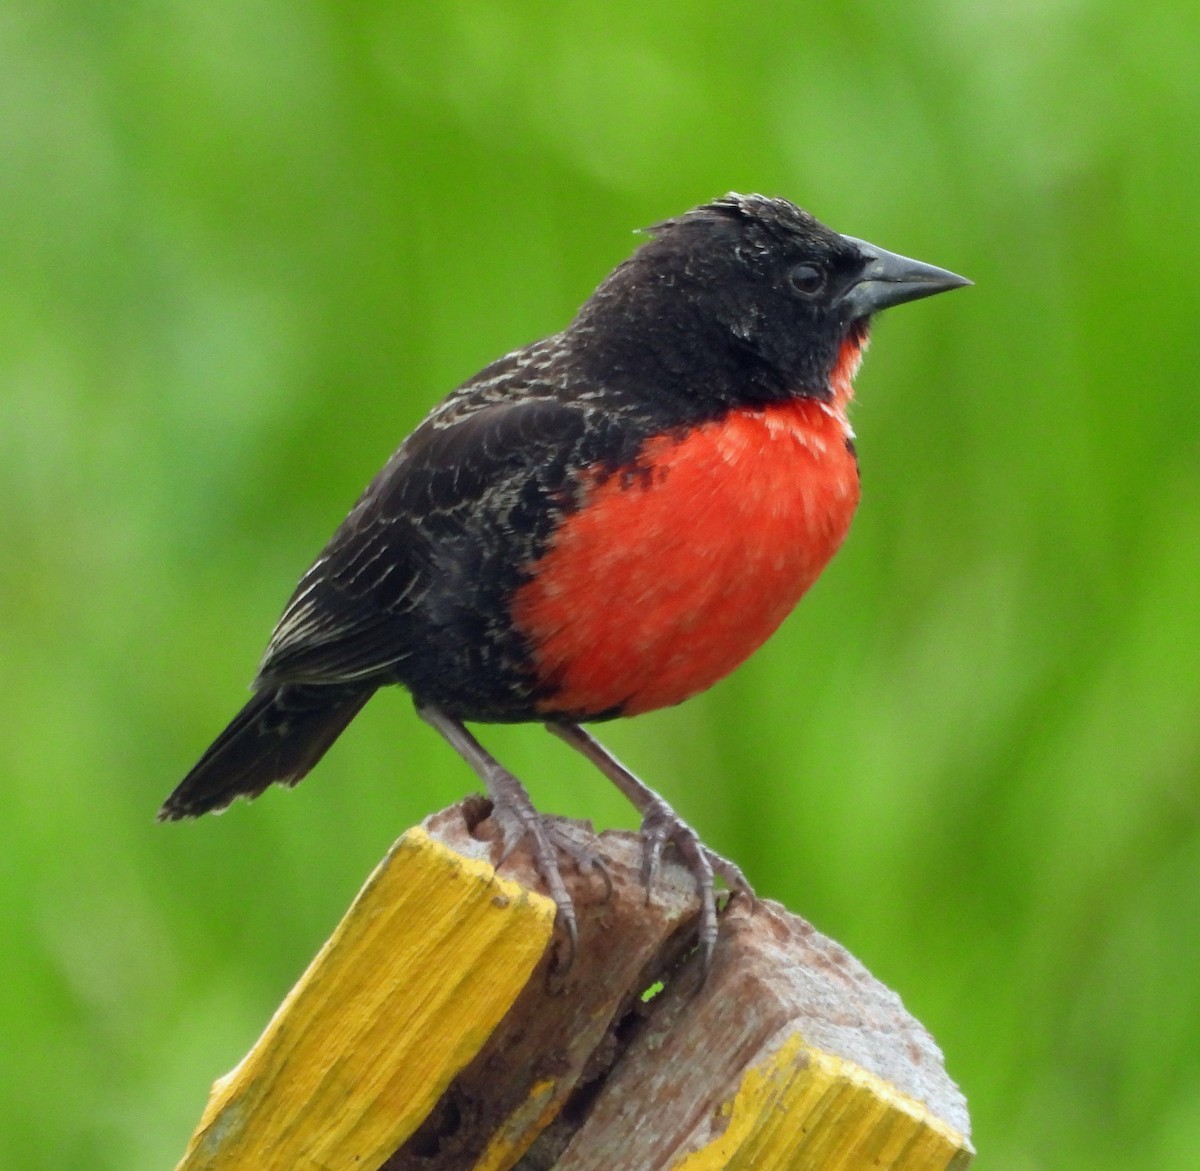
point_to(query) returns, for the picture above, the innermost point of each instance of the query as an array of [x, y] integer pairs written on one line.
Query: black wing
[[471, 491]]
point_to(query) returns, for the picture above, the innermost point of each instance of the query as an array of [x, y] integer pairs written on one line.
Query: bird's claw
[[519, 821], [660, 825]]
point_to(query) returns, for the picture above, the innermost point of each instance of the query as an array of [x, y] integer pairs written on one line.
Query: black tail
[[278, 736]]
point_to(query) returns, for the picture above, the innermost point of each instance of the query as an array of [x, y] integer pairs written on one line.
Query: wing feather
[[465, 489]]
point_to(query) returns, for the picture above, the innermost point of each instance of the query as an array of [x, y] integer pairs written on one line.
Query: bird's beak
[[889, 279]]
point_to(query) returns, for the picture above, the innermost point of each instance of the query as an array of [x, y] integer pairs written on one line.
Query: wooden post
[[436, 1029]]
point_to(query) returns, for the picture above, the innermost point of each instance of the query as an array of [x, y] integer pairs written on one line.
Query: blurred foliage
[[244, 247]]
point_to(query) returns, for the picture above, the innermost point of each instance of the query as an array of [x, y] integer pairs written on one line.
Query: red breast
[[672, 572]]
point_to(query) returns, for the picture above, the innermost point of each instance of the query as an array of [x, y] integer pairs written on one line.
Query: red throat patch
[[674, 571]]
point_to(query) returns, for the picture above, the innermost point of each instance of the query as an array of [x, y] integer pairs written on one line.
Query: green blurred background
[[244, 246]]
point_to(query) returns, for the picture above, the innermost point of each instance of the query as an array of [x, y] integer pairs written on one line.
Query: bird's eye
[[807, 279]]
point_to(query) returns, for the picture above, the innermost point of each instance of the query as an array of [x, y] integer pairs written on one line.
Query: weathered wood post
[[436, 1030]]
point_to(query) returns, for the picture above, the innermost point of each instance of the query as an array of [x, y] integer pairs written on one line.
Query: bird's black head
[[755, 296]]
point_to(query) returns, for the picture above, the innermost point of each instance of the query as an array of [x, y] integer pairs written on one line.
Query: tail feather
[[277, 737]]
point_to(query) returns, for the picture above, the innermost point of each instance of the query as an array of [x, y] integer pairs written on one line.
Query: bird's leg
[[517, 818], [661, 824]]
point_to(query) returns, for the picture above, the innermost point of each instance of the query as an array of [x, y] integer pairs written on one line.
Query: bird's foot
[[518, 821], [660, 825]]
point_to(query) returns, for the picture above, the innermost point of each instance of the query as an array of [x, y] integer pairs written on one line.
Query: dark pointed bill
[[890, 279]]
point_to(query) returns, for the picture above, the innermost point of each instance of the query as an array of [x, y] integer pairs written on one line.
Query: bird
[[600, 524]]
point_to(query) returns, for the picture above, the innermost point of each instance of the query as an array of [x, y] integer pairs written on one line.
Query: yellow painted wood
[[518, 1132], [417, 975], [807, 1110]]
